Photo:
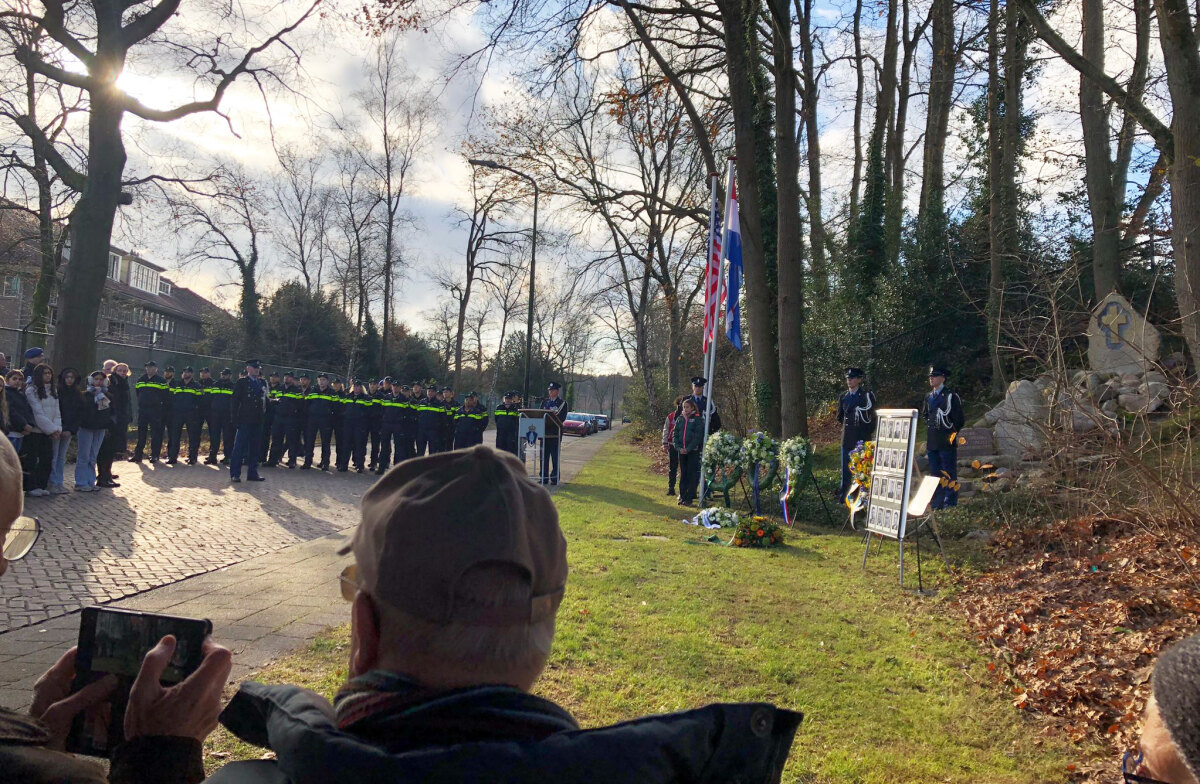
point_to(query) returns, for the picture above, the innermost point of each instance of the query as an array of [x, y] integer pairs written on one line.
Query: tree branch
[[70, 177], [146, 24]]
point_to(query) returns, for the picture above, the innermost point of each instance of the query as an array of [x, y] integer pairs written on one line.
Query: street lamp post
[[487, 164]]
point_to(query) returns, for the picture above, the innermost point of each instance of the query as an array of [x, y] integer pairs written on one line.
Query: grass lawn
[[655, 620]]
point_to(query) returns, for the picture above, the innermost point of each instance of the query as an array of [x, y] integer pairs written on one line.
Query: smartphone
[[114, 642]]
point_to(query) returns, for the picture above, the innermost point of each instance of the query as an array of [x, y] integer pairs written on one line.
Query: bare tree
[[302, 207], [355, 245]]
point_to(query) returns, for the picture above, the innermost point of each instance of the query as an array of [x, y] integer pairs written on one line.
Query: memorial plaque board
[[895, 441]]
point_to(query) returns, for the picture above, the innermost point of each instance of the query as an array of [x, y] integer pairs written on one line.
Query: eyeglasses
[[348, 580], [1129, 765], [21, 537]]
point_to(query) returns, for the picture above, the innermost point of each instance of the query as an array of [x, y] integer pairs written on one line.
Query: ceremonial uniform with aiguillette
[[220, 422], [508, 422], [944, 417], [701, 400], [152, 395], [552, 443], [856, 414], [186, 397]]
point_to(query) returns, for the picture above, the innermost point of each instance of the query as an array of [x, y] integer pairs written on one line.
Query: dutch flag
[[732, 247]]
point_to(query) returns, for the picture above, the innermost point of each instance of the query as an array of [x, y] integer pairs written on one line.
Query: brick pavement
[[261, 559]]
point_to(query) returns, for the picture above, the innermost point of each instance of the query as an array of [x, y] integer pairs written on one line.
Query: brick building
[[140, 306]]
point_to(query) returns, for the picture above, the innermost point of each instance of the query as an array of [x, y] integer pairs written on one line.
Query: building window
[[114, 266], [144, 278], [164, 287], [116, 328], [12, 286]]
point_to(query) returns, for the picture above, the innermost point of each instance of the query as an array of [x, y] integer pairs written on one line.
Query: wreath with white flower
[[722, 460], [726, 518], [759, 449], [795, 456]]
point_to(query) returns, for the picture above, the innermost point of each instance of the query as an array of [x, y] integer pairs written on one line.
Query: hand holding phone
[[188, 709], [54, 704]]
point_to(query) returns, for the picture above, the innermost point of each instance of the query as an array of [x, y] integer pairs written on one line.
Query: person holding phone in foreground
[[164, 727]]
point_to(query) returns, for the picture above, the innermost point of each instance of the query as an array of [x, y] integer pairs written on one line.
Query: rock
[[1107, 392], [1154, 376], [1132, 389], [979, 535], [1119, 339], [1084, 421], [1158, 389], [1110, 407], [1017, 430], [1079, 378], [1130, 379], [1140, 404], [1095, 386]]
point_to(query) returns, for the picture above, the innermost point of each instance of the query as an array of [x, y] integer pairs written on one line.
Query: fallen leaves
[[1072, 616]]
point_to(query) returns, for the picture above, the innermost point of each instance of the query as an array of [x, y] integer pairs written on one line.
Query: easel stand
[[816, 484], [925, 522]]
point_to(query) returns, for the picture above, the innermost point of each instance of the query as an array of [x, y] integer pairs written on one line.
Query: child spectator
[[37, 450]]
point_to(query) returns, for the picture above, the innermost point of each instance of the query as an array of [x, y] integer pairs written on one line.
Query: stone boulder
[[1120, 339], [1018, 421]]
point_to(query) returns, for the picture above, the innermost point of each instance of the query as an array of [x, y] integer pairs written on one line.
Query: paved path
[[261, 559]]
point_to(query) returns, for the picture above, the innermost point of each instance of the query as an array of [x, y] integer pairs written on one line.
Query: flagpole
[[711, 358]]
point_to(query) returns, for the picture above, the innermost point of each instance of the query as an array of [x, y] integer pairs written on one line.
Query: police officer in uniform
[[319, 406], [856, 413], [430, 416], [305, 384], [186, 398], [449, 409], [698, 397], [944, 417], [274, 390], [406, 433], [508, 421], [356, 418], [247, 409], [206, 381], [381, 393], [220, 424], [551, 445], [470, 420], [152, 396], [338, 393], [285, 432]]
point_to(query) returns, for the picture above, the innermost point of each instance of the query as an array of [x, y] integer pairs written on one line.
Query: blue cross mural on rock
[[1113, 321]]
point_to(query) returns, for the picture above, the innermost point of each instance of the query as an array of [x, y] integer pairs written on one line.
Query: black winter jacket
[[70, 405], [94, 417], [20, 413], [499, 734]]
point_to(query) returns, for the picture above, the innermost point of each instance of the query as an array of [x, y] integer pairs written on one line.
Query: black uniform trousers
[[220, 433], [507, 441], [355, 438], [322, 426], [150, 427], [428, 437], [264, 443], [394, 440], [550, 449], [179, 420], [285, 437]]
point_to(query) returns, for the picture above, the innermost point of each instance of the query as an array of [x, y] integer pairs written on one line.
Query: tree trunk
[[931, 212], [458, 339], [894, 216], [995, 211], [48, 268], [248, 307], [859, 96], [812, 133], [1182, 61], [741, 56], [79, 299], [790, 244], [674, 338], [1103, 202]]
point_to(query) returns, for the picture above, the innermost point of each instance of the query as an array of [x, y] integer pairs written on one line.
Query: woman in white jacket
[[37, 450]]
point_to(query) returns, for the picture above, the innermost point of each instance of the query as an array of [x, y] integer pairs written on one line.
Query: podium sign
[[891, 476]]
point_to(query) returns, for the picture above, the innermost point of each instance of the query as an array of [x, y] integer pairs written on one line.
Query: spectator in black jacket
[[20, 415], [93, 428], [70, 406], [116, 442]]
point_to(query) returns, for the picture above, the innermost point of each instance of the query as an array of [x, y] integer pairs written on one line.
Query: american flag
[[713, 294]]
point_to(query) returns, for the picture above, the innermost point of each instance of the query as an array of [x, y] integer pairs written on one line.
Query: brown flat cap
[[429, 520]]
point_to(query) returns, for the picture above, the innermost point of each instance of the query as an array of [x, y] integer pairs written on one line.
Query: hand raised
[[188, 709]]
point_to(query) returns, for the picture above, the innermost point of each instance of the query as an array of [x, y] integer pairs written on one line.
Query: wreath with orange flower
[[756, 531]]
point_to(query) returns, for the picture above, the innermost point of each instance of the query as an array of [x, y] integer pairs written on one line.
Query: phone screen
[[114, 642]]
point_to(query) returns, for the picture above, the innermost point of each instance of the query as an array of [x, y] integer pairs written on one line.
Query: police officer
[[247, 409], [206, 380], [944, 417], [337, 391], [305, 384], [698, 397], [152, 396], [552, 443], [449, 409], [356, 418], [508, 420], [430, 416], [220, 424], [285, 431], [391, 403], [406, 432], [319, 407], [856, 413], [470, 420], [274, 390], [186, 397], [381, 393]]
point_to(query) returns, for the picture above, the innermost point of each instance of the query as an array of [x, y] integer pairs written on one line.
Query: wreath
[[722, 460], [760, 459], [726, 518], [756, 531], [862, 462], [795, 456]]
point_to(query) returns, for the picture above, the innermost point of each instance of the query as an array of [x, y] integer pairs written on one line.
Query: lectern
[[547, 428]]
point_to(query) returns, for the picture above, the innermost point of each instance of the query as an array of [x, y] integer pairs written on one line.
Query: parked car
[[575, 426], [625, 420], [588, 420], [602, 421]]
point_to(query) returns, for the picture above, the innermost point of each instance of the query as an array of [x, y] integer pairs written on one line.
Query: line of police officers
[[396, 421], [942, 411]]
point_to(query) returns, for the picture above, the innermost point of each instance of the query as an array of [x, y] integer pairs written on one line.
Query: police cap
[[254, 363], [188, 369], [509, 394], [358, 382], [418, 383], [323, 375], [853, 372], [226, 372], [447, 389], [405, 387], [699, 381], [938, 370], [472, 393], [151, 363], [33, 353], [170, 368], [554, 385], [386, 380]]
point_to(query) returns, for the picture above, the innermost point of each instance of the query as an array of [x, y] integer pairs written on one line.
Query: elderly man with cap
[[448, 635], [220, 422], [164, 727], [508, 421], [247, 409], [552, 442], [944, 417], [1169, 749], [187, 397], [33, 357], [856, 414], [152, 396]]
